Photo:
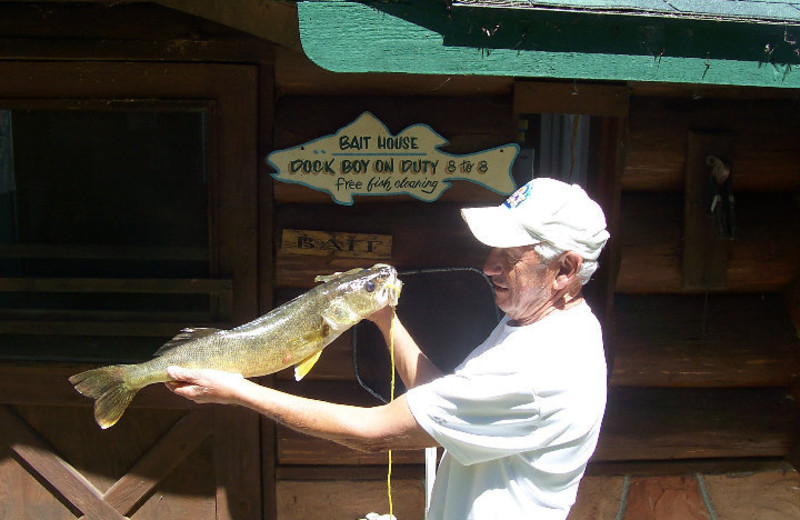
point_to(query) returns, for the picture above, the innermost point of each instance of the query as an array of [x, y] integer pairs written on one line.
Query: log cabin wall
[[702, 364], [703, 388]]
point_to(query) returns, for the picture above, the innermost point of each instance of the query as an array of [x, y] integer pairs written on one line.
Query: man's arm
[[412, 364], [381, 428]]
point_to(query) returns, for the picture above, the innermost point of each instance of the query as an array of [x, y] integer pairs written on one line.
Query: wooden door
[[166, 458]]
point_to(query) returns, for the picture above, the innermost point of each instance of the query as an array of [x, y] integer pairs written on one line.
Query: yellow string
[[391, 398]]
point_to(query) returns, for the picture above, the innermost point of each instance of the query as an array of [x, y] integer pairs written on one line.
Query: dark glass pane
[[93, 194]]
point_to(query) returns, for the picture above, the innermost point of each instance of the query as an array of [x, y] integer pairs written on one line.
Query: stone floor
[[773, 495]]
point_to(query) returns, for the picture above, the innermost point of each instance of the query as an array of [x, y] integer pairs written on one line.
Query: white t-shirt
[[519, 419]]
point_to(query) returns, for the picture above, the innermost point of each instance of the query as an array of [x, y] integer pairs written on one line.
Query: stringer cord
[[391, 398]]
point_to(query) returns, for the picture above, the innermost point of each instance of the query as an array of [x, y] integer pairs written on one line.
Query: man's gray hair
[[549, 253]]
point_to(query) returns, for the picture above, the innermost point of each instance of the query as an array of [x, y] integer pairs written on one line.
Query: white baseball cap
[[543, 210]]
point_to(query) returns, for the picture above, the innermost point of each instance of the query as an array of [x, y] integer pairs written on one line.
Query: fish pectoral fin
[[339, 316], [324, 278], [185, 336], [305, 366]]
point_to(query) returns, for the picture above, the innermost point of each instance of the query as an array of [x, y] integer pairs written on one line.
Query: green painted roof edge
[[424, 38], [751, 11]]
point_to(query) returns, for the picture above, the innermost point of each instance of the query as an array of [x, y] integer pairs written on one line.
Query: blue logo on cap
[[518, 197]]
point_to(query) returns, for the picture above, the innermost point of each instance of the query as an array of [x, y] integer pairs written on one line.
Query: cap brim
[[495, 227]]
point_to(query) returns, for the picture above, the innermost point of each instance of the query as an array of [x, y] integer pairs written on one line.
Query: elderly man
[[520, 417]]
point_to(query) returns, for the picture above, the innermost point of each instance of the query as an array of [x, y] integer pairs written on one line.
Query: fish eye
[[369, 286]]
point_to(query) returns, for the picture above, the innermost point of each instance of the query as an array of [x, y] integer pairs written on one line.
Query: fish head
[[369, 290]]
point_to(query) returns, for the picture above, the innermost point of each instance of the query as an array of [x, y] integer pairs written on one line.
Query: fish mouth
[[392, 286], [393, 292]]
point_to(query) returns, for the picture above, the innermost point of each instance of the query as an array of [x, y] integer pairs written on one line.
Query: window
[[120, 221]]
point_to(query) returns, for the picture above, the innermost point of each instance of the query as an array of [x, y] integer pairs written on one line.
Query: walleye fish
[[293, 334]]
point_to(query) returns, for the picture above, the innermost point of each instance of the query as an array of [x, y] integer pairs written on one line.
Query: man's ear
[[569, 265]]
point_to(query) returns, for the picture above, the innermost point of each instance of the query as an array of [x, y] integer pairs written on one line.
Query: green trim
[[751, 11], [423, 37]]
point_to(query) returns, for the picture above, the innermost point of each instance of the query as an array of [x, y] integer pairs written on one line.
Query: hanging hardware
[[723, 206]]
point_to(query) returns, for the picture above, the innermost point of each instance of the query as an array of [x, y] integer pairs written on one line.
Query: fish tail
[[111, 390]]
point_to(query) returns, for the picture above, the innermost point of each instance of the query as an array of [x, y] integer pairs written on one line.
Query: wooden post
[[705, 253], [793, 456]]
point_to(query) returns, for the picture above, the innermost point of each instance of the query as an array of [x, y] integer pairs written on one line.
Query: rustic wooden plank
[[703, 341], [650, 234], [22, 384], [671, 424], [94, 20], [117, 285], [266, 209], [705, 252], [640, 424], [570, 98], [299, 500], [656, 158], [110, 49], [298, 449], [336, 244], [70, 315], [237, 462], [130, 490], [792, 296], [465, 120], [72, 487], [349, 472], [188, 254], [99, 328], [268, 20], [608, 136]]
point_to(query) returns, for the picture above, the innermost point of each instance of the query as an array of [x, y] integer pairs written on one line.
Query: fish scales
[[293, 334]]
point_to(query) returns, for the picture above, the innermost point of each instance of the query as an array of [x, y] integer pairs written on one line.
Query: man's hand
[[207, 385], [382, 318]]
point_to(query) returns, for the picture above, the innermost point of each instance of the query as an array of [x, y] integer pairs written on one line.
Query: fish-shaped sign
[[364, 158]]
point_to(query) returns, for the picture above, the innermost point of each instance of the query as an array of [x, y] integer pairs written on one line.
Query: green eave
[[529, 39]]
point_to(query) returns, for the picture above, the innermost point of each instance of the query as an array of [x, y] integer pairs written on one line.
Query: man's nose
[[493, 264]]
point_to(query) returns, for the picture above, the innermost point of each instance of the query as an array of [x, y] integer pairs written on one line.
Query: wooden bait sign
[[342, 245], [363, 158]]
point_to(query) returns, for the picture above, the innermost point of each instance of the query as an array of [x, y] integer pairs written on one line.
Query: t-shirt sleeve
[[478, 418]]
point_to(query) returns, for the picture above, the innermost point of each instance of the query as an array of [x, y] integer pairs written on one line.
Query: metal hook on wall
[[722, 206]]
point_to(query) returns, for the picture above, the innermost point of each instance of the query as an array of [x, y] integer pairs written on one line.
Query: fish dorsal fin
[[324, 278], [305, 366], [339, 316], [185, 336]]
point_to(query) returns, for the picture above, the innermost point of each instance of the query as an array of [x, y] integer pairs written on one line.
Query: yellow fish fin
[[305, 366], [109, 387], [324, 278], [339, 316]]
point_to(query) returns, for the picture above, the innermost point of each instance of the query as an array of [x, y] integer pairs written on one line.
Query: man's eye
[[370, 286]]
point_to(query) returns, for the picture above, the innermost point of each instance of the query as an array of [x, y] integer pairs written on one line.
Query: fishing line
[[489, 291], [391, 398]]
